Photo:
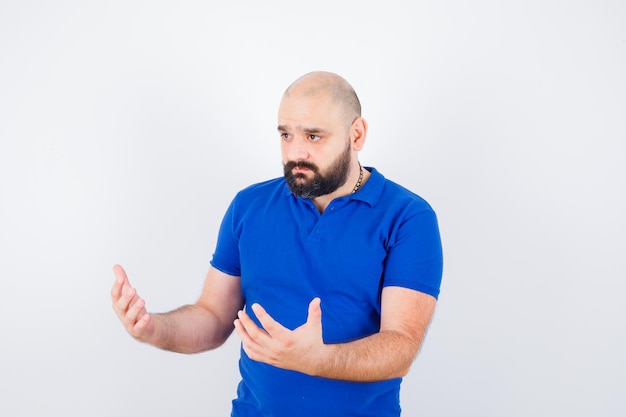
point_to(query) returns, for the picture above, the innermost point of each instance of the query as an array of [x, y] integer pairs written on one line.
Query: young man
[[362, 252]]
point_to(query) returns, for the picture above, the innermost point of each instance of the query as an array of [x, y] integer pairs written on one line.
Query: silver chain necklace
[[360, 181]]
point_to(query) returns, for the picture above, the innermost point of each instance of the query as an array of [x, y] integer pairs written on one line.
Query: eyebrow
[[307, 130]]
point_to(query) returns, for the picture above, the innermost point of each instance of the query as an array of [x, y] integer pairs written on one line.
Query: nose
[[296, 149]]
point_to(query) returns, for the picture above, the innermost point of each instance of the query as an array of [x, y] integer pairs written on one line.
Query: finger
[[253, 331], [270, 325], [120, 274], [136, 311], [123, 308], [246, 322], [124, 301], [120, 280], [121, 283], [241, 331], [315, 310], [247, 343], [142, 323], [250, 346]]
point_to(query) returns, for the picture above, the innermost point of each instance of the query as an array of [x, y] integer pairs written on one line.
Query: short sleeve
[[415, 258], [226, 255]]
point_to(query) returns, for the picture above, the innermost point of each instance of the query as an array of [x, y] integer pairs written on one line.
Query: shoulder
[[403, 196], [261, 190], [397, 197], [257, 196]]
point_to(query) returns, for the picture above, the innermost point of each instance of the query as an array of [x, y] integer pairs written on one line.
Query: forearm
[[385, 355], [189, 329]]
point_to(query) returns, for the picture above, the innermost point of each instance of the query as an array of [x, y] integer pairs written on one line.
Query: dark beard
[[319, 185]]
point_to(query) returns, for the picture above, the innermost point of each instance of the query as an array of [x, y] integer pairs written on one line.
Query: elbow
[[403, 371], [406, 364]]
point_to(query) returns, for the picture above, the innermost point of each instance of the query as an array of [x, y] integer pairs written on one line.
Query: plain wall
[[127, 127]]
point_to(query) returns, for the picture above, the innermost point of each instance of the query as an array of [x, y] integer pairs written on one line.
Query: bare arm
[[388, 354], [405, 317], [192, 328]]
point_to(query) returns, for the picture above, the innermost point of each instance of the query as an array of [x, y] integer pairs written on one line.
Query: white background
[[126, 128]]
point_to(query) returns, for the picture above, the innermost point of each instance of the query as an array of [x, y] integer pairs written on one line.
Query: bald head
[[327, 83]]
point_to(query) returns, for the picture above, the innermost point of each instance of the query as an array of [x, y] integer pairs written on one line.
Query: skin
[[315, 122], [315, 127], [193, 328]]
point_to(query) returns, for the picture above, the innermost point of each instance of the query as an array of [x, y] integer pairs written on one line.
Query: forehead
[[309, 110]]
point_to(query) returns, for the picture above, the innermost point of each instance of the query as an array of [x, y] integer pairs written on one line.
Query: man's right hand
[[130, 308]]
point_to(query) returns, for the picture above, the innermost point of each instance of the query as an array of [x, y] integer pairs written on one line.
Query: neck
[[358, 176]]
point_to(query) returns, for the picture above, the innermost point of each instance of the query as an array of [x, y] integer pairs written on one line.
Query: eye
[[314, 138], [285, 136]]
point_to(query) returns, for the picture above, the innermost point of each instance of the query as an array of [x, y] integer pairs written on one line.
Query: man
[[363, 254]]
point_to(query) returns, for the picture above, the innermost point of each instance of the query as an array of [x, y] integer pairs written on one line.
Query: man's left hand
[[301, 349]]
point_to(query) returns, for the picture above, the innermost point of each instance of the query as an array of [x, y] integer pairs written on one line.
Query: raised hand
[[301, 349], [130, 308]]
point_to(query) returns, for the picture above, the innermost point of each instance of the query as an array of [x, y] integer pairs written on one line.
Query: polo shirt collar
[[370, 191]]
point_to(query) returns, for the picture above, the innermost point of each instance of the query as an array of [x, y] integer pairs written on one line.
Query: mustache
[[300, 164]]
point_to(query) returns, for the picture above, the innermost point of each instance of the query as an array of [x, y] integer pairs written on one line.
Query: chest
[[339, 256]]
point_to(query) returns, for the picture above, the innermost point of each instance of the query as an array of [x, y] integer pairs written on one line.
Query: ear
[[358, 133]]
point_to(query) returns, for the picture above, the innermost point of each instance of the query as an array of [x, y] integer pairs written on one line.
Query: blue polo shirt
[[287, 253]]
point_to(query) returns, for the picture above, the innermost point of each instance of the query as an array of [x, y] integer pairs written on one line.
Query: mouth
[[299, 169]]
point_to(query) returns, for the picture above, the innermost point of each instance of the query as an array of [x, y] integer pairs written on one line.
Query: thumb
[[120, 274], [315, 310]]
